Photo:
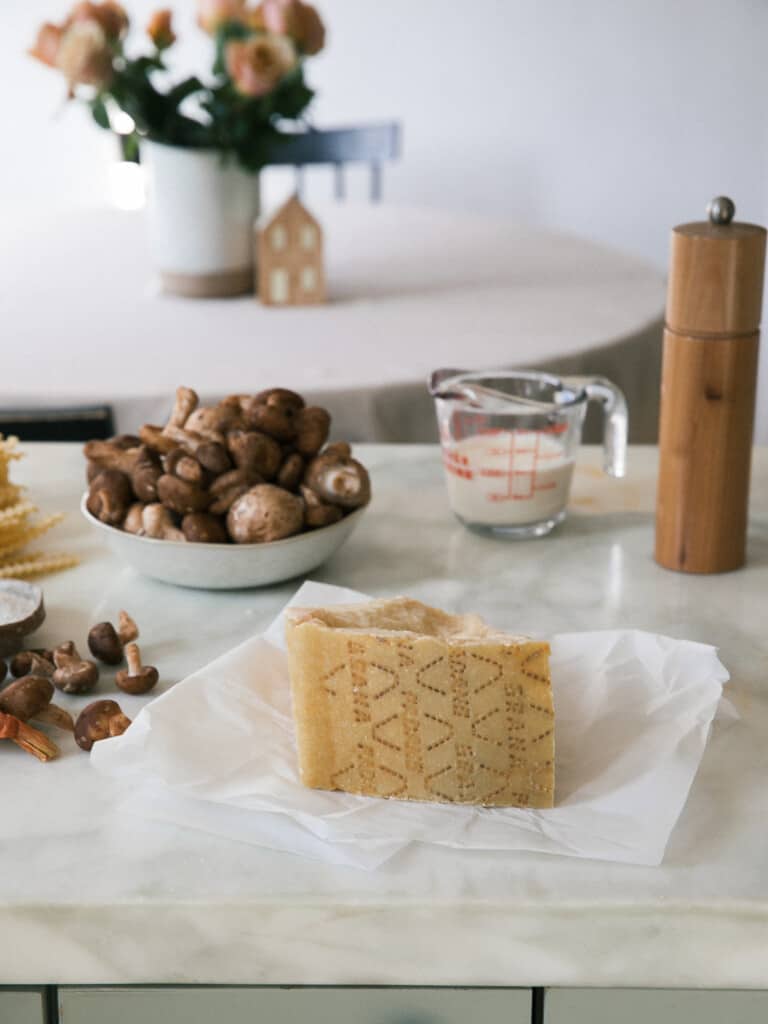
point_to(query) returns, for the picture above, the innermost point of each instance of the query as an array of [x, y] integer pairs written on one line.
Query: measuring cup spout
[[615, 423]]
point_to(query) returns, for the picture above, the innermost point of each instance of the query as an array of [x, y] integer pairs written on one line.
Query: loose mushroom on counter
[[106, 643], [73, 674], [30, 663], [99, 721], [29, 698], [137, 678]]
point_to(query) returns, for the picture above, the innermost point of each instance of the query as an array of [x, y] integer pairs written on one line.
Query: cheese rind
[[397, 699]]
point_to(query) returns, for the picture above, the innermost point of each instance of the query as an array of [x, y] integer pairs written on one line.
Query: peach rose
[[212, 13], [47, 44], [109, 16], [257, 64], [296, 19], [160, 29], [84, 55]]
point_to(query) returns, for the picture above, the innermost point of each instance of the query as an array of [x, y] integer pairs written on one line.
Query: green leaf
[[99, 111], [179, 92]]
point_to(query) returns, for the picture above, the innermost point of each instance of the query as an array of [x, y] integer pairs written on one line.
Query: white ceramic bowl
[[226, 566]]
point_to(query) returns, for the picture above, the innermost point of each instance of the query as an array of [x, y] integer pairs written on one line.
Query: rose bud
[[160, 29]]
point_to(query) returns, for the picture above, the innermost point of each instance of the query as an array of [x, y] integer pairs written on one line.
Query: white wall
[[611, 120]]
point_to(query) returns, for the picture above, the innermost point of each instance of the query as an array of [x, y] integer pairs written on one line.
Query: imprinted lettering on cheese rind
[[397, 699]]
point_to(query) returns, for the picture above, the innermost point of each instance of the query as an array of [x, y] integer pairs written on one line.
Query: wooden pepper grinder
[[709, 379]]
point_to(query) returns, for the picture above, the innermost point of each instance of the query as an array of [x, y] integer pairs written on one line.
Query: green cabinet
[[294, 1006], [654, 1006], [22, 1006]]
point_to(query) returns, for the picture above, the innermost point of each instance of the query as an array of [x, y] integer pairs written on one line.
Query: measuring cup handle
[[616, 424], [616, 420]]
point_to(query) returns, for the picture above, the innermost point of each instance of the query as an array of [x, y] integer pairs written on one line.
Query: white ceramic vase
[[201, 209]]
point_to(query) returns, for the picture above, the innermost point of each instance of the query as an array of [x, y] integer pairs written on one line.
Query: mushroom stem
[[29, 739], [137, 678], [54, 715], [133, 657], [184, 406], [127, 629]]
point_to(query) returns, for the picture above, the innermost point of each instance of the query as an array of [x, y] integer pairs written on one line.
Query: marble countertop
[[88, 895]]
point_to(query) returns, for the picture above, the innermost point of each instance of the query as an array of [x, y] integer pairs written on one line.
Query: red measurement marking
[[452, 465]]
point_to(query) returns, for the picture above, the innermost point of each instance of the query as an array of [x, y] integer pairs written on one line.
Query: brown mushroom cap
[[137, 678], [109, 496], [99, 721], [180, 496], [255, 452], [224, 501], [104, 643], [278, 397], [339, 480], [31, 663], [274, 413], [265, 513], [125, 441], [145, 474], [26, 697], [111, 456], [213, 420], [204, 528], [291, 472], [316, 512], [312, 426], [73, 674], [186, 467], [141, 683], [212, 455]]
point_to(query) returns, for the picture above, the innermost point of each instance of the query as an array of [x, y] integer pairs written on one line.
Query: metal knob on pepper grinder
[[709, 380]]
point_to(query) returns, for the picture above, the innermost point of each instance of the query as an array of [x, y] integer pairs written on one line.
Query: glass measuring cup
[[509, 441]]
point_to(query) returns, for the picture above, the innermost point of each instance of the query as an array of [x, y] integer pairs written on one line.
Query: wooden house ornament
[[289, 257]]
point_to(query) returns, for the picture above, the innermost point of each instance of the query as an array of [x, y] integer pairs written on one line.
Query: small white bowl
[[226, 566]]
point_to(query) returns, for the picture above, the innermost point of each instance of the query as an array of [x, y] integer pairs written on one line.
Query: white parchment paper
[[632, 716]]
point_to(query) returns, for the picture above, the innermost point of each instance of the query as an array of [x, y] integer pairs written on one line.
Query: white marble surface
[[88, 898]]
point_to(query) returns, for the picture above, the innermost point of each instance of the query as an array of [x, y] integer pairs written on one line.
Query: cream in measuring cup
[[509, 443]]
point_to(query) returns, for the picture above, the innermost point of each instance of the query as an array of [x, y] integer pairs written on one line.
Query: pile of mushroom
[[251, 469], [38, 673]]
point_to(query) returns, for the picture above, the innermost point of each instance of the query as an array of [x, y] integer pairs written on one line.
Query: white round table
[[410, 290]]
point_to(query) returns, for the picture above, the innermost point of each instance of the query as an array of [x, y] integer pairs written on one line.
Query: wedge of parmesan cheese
[[397, 699]]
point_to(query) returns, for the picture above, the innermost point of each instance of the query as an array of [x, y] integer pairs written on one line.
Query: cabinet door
[[654, 1006], [21, 1007], [294, 1006]]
